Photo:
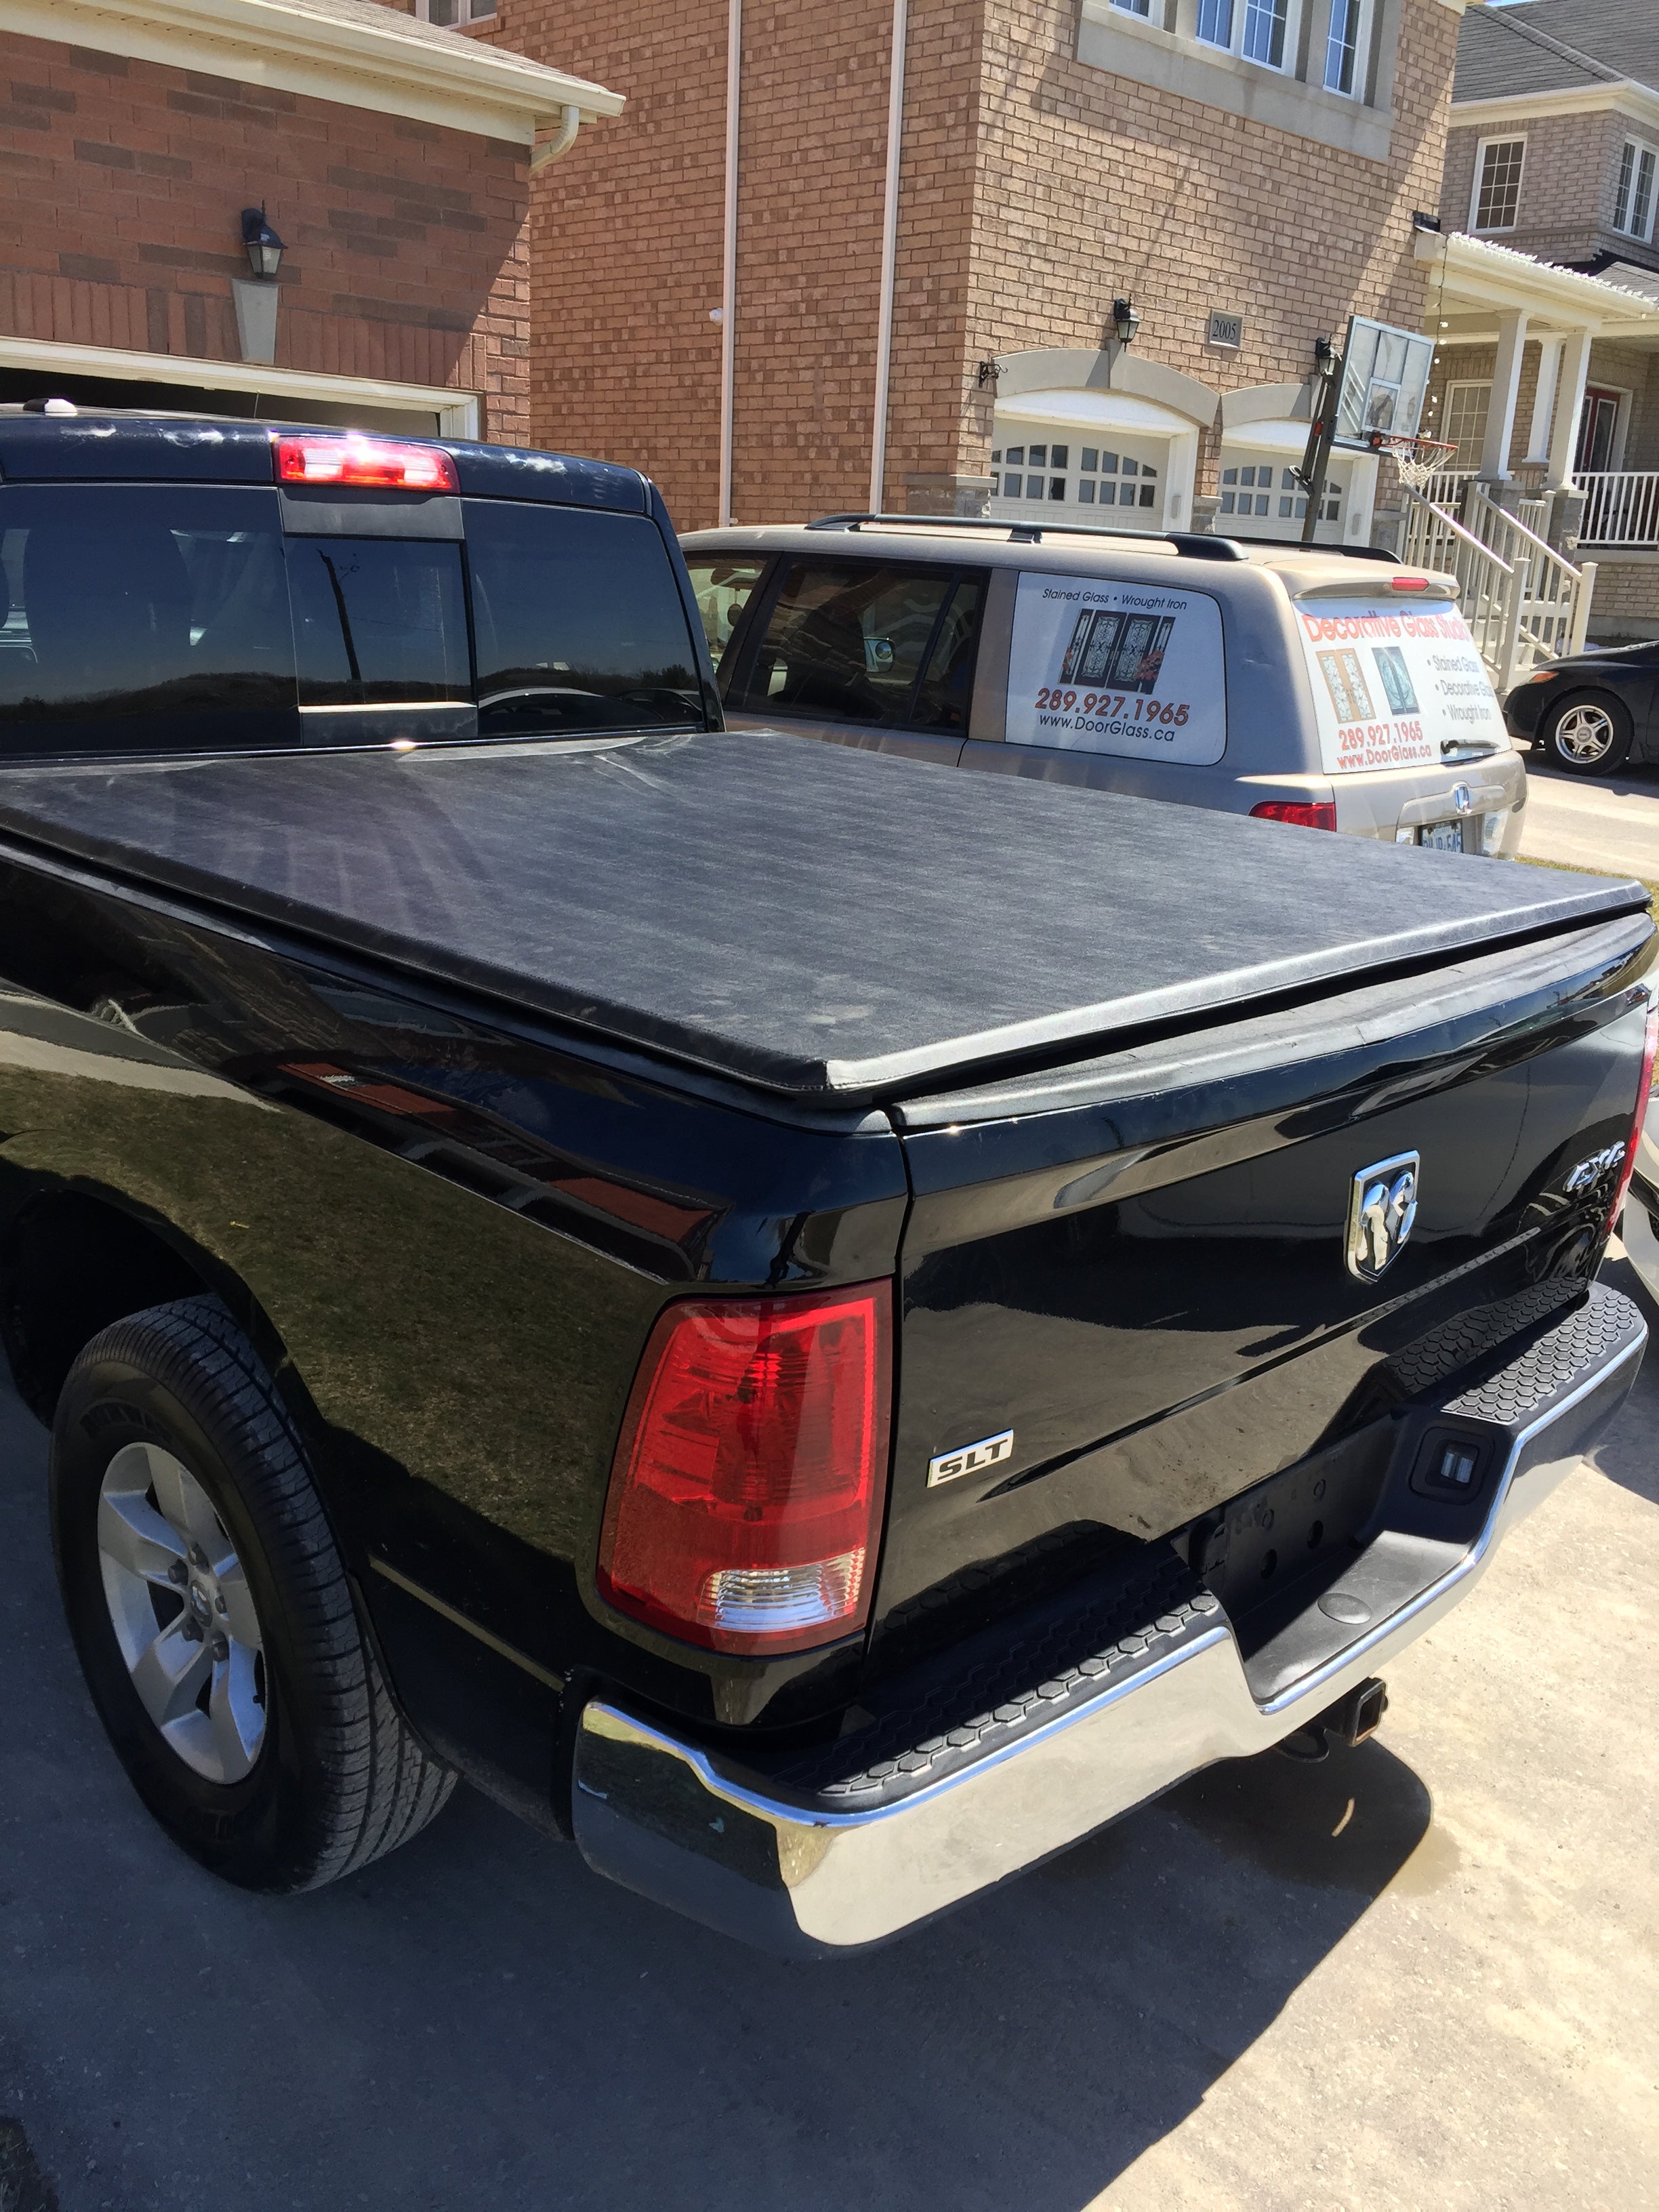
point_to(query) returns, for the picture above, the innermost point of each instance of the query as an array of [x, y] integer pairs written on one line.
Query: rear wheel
[[1589, 735], [213, 1617]]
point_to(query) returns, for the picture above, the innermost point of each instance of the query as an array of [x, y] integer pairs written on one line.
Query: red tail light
[[382, 464], [1649, 1047], [1312, 813], [745, 1493]]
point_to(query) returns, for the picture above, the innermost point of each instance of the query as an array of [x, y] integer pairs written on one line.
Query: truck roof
[[829, 925]]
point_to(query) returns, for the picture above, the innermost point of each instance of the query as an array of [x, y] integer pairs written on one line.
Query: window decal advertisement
[[1392, 685], [1129, 669]]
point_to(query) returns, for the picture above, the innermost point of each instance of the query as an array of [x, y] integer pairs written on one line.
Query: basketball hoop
[[1415, 458]]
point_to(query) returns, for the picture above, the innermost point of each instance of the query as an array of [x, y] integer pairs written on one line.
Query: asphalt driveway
[[1606, 822], [1425, 1973]]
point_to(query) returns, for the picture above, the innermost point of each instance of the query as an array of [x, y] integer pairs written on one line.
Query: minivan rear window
[[144, 620]]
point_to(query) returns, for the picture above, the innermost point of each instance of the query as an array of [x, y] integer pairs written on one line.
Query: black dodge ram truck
[[820, 1329]]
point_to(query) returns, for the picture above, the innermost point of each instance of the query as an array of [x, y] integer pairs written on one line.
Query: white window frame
[[1242, 16], [482, 11], [1508, 138], [1362, 49], [1141, 8], [1636, 151], [1465, 460]]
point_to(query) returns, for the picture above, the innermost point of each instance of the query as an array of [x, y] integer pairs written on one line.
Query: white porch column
[[1543, 399], [1505, 389], [1568, 407]]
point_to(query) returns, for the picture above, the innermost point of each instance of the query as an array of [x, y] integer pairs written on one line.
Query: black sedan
[[1591, 712]]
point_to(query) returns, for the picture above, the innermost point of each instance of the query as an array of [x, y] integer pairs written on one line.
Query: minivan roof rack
[[1189, 541], [1342, 552], [1196, 544]]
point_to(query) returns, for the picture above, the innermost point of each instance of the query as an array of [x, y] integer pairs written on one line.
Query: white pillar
[[1543, 399], [1568, 407], [1505, 388], [1180, 472]]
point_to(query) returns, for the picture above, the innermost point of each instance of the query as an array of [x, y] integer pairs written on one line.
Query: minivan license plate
[[1443, 837]]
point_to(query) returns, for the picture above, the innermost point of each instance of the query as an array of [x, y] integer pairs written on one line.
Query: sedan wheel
[[1588, 736], [182, 1612]]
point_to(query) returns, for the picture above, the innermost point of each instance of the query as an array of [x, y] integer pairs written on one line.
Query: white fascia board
[[1497, 276], [1627, 97], [437, 76]]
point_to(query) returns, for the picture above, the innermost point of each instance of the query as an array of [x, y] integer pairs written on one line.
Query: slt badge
[[969, 1459], [1381, 1211]]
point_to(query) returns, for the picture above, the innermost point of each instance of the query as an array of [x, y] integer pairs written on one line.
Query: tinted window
[[722, 586], [578, 622], [142, 619], [846, 642], [377, 620], [947, 683]]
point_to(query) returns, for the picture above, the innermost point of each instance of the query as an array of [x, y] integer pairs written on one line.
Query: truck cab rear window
[[578, 623], [377, 620], [180, 618], [142, 620]]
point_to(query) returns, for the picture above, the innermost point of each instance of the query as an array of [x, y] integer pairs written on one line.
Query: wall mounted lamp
[[1324, 355], [264, 248], [1125, 321]]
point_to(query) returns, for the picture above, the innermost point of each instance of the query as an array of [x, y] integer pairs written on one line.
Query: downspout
[[556, 148], [888, 255], [729, 253]]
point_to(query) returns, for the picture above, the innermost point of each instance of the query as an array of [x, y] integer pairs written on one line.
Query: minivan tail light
[[377, 464], [1311, 813], [1644, 1089], [745, 1493]]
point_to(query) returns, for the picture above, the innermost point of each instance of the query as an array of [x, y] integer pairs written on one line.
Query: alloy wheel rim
[[182, 1612], [1585, 734]]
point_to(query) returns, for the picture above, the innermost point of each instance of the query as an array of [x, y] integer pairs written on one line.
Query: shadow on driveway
[[479, 2023]]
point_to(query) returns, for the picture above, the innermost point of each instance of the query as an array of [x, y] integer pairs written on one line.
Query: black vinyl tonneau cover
[[826, 923]]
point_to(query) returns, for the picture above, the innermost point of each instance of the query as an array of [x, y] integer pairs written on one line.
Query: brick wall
[[1625, 603], [126, 180], [1107, 186], [626, 242], [1033, 188], [1568, 179]]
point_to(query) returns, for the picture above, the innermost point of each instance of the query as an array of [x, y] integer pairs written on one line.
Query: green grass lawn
[[1616, 875]]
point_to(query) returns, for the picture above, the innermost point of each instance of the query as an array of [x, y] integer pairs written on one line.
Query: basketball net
[[1415, 459]]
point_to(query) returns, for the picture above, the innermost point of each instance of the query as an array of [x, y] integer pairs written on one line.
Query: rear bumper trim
[[667, 1818]]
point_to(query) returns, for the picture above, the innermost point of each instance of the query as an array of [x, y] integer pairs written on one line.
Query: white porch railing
[[1522, 602], [1621, 506]]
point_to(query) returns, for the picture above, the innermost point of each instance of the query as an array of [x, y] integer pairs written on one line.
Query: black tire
[[337, 1778], [1590, 733]]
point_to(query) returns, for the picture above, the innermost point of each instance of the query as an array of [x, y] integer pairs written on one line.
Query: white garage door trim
[[457, 411]]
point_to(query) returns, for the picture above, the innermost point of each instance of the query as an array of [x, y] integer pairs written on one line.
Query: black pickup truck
[[820, 1329]]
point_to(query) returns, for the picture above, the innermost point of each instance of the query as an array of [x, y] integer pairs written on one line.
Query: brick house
[[741, 288], [1545, 291], [391, 157]]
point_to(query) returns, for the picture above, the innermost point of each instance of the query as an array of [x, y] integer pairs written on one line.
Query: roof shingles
[[1556, 45]]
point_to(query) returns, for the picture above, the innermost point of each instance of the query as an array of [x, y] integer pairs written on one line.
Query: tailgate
[[1128, 1289]]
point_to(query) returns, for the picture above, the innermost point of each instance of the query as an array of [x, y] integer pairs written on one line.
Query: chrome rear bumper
[[812, 1875]]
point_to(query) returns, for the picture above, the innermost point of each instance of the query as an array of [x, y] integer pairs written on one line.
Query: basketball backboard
[[1385, 378]]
